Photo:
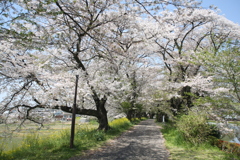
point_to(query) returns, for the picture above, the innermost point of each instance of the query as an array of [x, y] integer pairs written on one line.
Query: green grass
[[180, 149], [11, 139], [55, 146]]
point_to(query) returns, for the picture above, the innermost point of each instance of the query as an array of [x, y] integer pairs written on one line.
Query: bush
[[99, 136], [194, 128], [121, 123], [135, 120], [143, 118], [180, 149]]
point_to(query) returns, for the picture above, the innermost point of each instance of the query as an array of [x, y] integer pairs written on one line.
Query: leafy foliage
[[194, 128]]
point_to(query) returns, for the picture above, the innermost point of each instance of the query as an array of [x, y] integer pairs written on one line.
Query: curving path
[[143, 142]]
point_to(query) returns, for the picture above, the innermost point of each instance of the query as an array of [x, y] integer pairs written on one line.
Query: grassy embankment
[[180, 149], [53, 143]]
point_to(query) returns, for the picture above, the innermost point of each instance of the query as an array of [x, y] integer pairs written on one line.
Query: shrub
[[135, 120], [215, 132], [99, 136], [121, 123], [194, 128], [144, 118], [180, 149], [171, 134]]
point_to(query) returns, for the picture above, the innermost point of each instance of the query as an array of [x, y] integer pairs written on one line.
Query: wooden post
[[74, 115]]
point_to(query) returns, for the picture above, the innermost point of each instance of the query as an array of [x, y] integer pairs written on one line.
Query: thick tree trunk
[[188, 98], [180, 104], [102, 113], [103, 119], [176, 104], [139, 115], [103, 122], [129, 115]]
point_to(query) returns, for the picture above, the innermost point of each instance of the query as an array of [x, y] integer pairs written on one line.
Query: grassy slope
[[11, 139], [55, 146], [179, 149]]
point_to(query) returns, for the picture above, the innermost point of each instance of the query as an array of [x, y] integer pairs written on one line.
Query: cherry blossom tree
[[109, 44], [133, 45], [66, 35], [189, 32], [52, 41]]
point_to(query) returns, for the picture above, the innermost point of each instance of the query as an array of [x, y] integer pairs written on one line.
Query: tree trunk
[[151, 114], [103, 119], [144, 114], [129, 115], [176, 104], [185, 94], [102, 114], [139, 115], [181, 104]]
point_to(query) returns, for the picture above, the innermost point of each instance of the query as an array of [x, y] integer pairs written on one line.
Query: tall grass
[[181, 149], [56, 146]]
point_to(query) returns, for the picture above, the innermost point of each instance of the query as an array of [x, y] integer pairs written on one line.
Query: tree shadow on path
[[143, 142]]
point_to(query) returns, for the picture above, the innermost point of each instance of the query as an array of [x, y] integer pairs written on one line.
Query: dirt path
[[143, 142]]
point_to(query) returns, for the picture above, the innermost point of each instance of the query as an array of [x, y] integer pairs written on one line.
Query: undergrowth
[[181, 149], [56, 146]]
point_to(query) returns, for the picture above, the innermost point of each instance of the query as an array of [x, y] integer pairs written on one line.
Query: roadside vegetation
[[55, 146], [190, 137]]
